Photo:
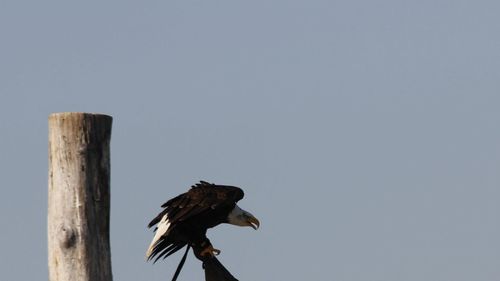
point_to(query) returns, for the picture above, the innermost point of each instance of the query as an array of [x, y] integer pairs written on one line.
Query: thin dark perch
[[214, 270]]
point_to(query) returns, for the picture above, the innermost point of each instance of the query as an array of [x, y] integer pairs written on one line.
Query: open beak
[[253, 222]]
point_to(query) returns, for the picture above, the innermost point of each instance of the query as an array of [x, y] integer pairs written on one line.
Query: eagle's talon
[[210, 251]]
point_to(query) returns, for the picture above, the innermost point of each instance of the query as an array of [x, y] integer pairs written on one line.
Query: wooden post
[[79, 197]]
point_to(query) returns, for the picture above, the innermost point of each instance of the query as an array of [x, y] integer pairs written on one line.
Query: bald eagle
[[185, 219]]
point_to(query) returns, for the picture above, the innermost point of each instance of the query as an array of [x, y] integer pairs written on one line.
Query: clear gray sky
[[365, 133]]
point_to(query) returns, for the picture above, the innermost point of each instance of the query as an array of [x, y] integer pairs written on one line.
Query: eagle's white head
[[241, 217]]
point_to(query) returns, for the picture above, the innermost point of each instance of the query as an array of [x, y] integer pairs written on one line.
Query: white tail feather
[[162, 229]]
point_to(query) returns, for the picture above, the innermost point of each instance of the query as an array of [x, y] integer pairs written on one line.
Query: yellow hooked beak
[[253, 222]]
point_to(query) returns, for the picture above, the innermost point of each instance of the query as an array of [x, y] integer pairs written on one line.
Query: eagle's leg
[[210, 251]]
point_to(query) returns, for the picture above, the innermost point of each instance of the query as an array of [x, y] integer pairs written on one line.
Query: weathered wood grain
[[79, 197]]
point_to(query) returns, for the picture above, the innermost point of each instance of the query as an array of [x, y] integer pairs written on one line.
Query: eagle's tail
[[162, 230]]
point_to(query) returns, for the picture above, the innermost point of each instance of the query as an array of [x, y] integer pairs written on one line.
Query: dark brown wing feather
[[199, 198], [210, 201]]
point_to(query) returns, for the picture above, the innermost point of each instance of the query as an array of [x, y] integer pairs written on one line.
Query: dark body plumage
[[190, 214]]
